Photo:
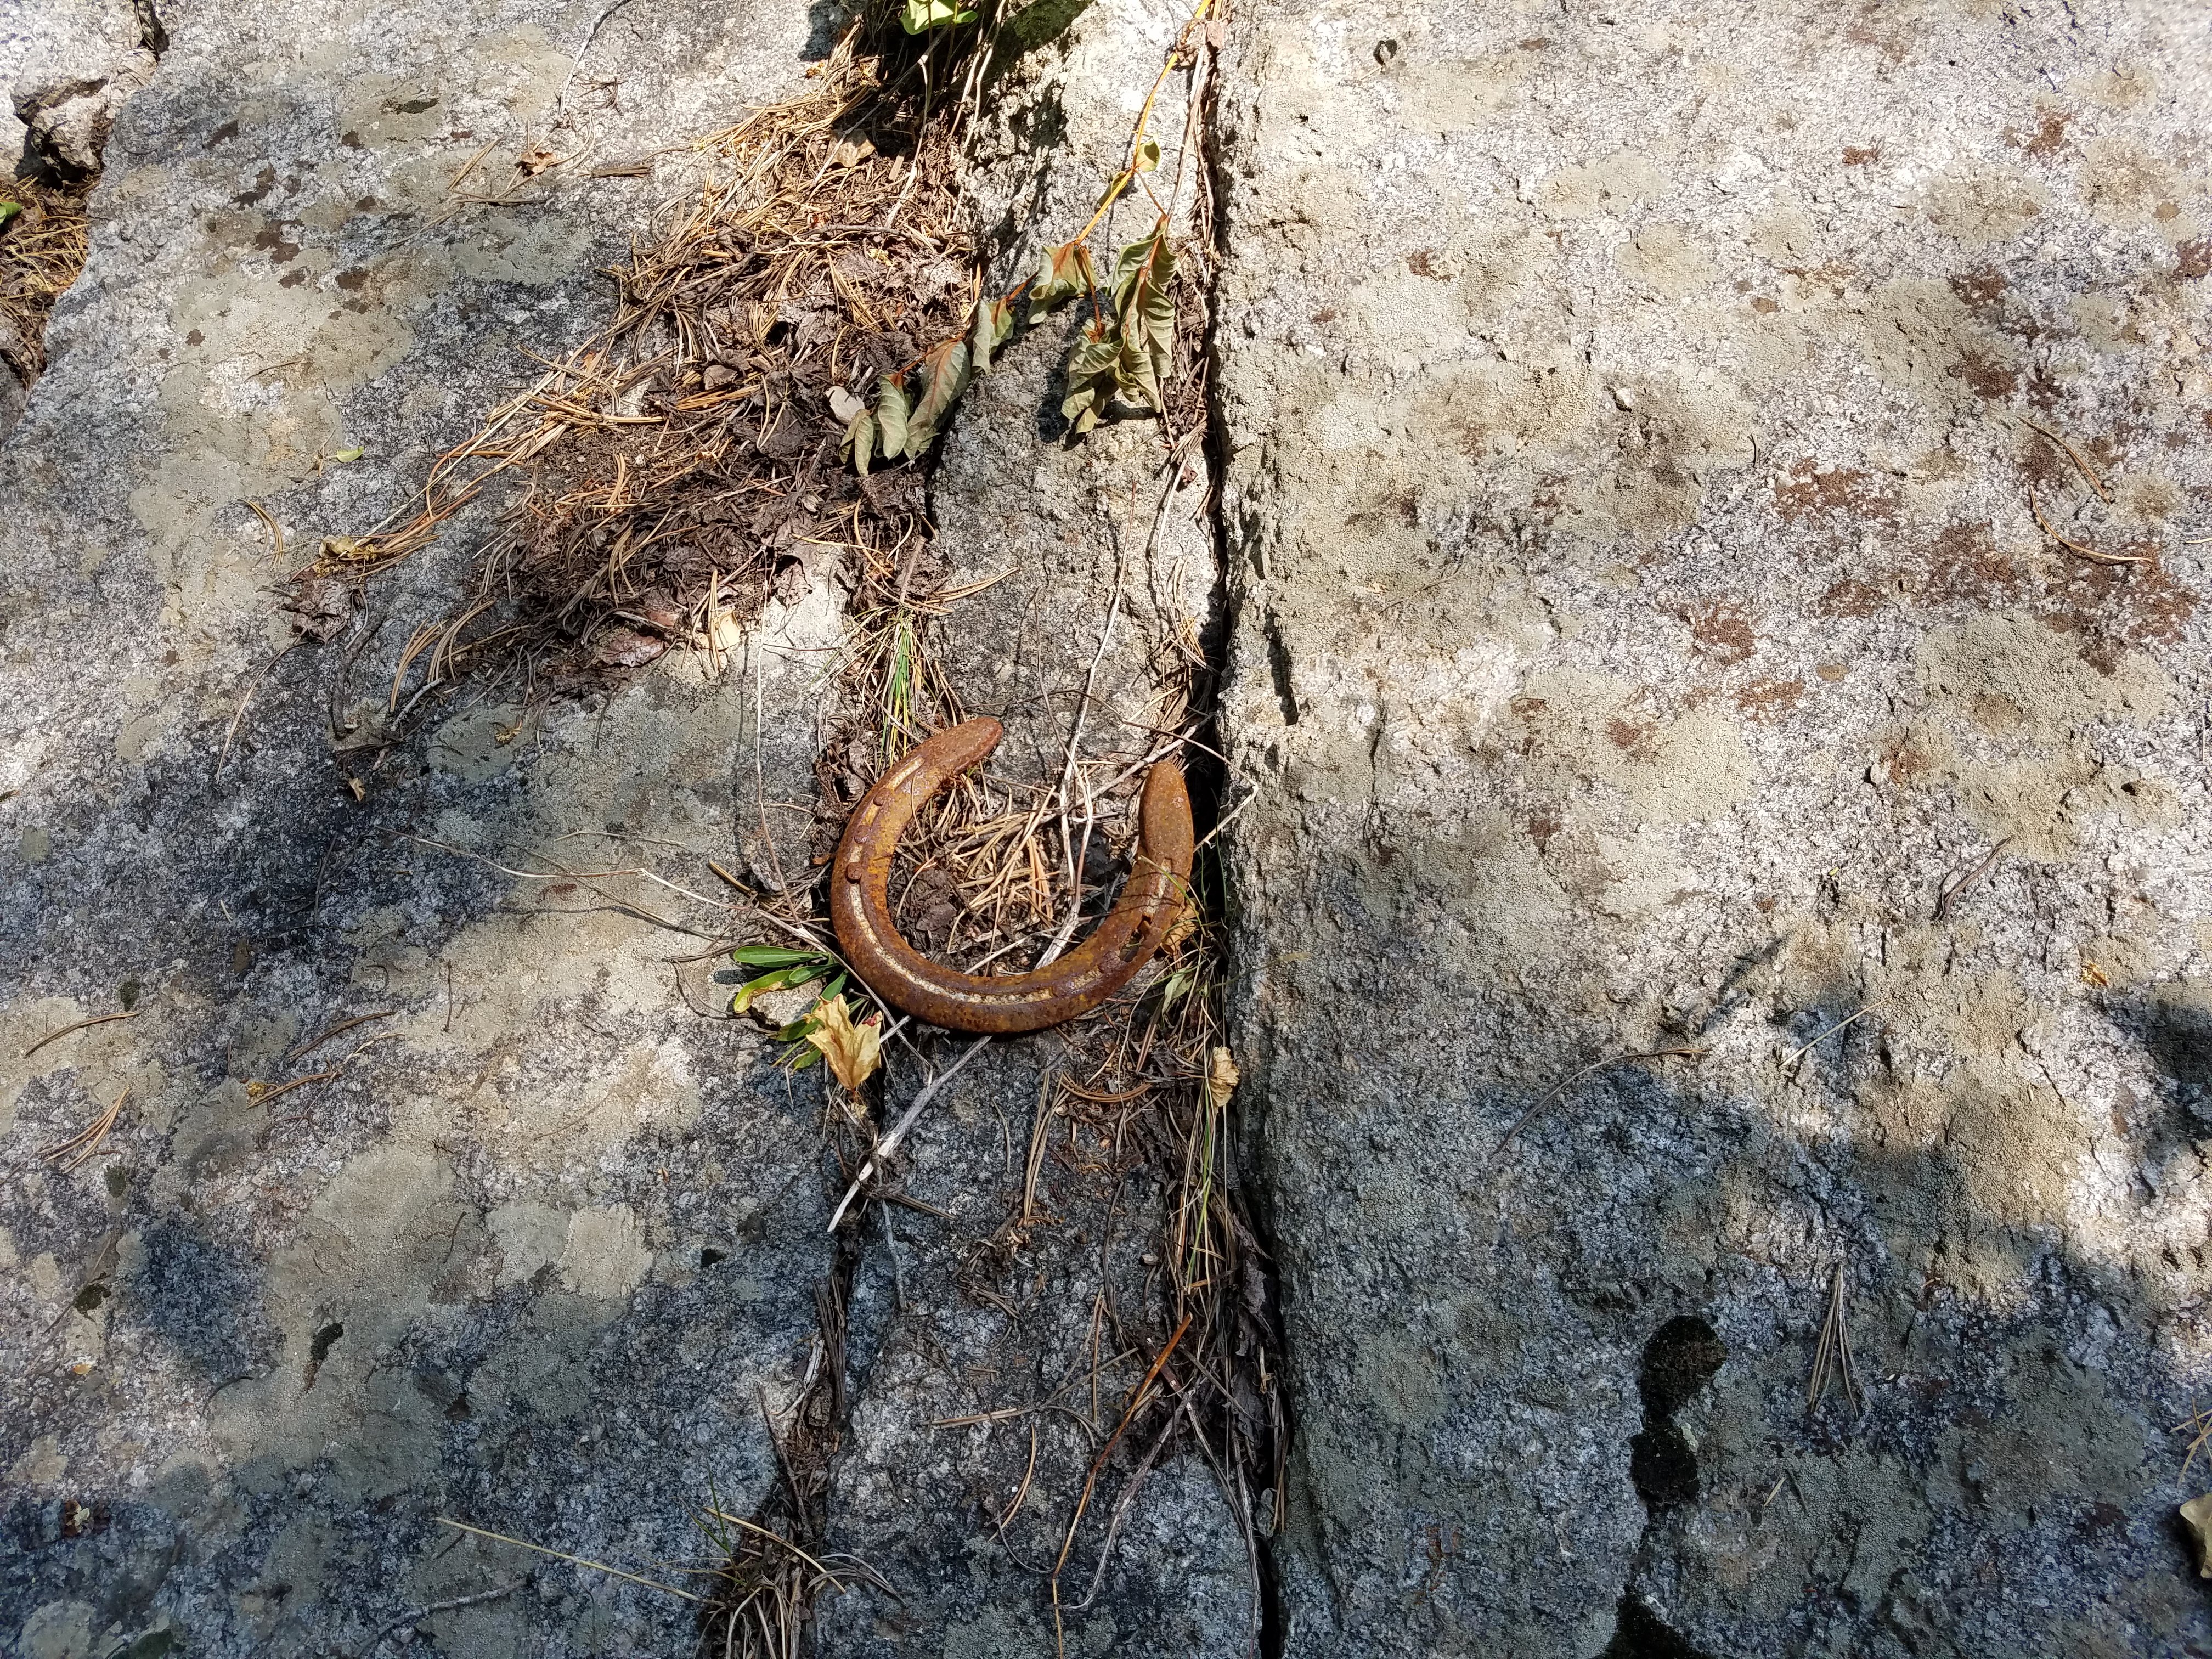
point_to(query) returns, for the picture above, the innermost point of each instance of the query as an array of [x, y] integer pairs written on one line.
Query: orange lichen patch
[[2048, 139], [1907, 755], [2046, 464], [2115, 608], [1874, 27], [1807, 489], [1721, 631], [1981, 371], [1981, 288], [1965, 565], [1996, 713], [1769, 700], [1850, 598], [1633, 737]]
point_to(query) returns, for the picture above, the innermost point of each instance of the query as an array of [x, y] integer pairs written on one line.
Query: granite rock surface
[[429, 1194], [1714, 872], [1678, 731]]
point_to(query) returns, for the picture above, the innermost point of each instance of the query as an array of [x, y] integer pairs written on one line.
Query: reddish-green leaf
[[1091, 376], [944, 374], [1063, 273]]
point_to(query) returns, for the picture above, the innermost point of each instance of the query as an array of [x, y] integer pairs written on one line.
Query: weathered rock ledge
[[1710, 860]]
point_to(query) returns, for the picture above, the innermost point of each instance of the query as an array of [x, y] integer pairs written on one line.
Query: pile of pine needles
[[44, 238], [683, 465]]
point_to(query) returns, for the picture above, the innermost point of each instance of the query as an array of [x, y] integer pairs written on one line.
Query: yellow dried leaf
[[1224, 1077], [854, 1051]]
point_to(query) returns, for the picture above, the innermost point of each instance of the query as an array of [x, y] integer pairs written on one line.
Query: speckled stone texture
[[1641, 639], [538, 1252], [1640, 626]]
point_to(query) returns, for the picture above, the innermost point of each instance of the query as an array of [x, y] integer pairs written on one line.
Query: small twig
[[1850, 1020], [891, 1243], [276, 530], [561, 98], [268, 1095], [1225, 820], [560, 874], [343, 1025], [1137, 1402], [81, 1148], [1021, 1492], [890, 1142], [576, 1560], [2201, 1421], [1832, 1355], [1947, 897], [416, 1614], [56, 1036], [2092, 554], [1136, 1484], [1075, 735], [760, 784], [1573, 1078], [468, 167], [244, 703], [2074, 455]]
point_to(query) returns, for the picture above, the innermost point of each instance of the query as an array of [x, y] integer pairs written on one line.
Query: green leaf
[[891, 416], [8, 211], [944, 373], [994, 324], [1063, 273], [1148, 156], [783, 979], [1091, 376], [1176, 987], [774, 956], [920, 15], [860, 440], [1145, 313]]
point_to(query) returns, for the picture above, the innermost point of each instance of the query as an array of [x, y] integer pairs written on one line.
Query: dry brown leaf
[[854, 1051], [2196, 1516], [535, 160], [1224, 1077]]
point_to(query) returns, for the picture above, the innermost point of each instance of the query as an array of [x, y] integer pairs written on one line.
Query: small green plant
[[924, 14], [1123, 352], [789, 970]]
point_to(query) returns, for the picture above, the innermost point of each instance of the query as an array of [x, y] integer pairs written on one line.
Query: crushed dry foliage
[[43, 243], [758, 414], [684, 463]]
